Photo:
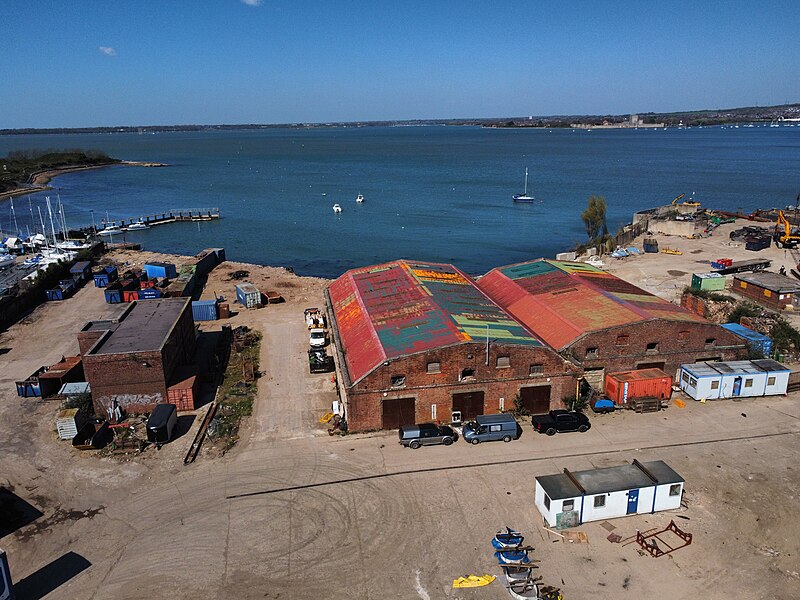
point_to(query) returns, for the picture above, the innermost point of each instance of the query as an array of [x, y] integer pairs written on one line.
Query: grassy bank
[[20, 167]]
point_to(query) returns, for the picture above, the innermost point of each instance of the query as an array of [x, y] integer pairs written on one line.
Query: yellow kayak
[[473, 581]]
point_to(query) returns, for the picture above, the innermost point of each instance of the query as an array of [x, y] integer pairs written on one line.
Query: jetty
[[170, 216]]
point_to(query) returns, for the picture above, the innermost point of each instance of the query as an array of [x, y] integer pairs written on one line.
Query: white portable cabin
[[735, 379], [569, 499]]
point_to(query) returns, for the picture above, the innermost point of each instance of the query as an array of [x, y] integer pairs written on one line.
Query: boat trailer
[[648, 540]]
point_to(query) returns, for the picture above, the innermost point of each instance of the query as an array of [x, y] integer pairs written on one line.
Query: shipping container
[[82, 269], [130, 295], [248, 295], [149, 293], [734, 379], [183, 393], [31, 388], [105, 277], [204, 310], [755, 340], [651, 245], [160, 270], [757, 244], [54, 294], [147, 283], [161, 423], [114, 293], [642, 383], [709, 282]]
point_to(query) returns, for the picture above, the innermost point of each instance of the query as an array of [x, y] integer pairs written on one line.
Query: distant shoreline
[[37, 182]]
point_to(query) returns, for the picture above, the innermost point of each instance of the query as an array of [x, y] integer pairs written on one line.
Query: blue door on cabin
[[633, 502], [737, 386]]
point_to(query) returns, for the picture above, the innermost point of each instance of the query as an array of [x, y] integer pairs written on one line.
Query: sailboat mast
[[41, 220], [14, 214], [526, 181], [50, 213]]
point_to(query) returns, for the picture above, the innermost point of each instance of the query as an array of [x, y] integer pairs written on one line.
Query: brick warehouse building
[[413, 342], [129, 361], [605, 324]]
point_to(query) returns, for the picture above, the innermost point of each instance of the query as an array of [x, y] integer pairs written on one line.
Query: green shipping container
[[710, 282]]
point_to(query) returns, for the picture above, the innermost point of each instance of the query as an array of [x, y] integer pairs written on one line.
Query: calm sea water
[[431, 193]]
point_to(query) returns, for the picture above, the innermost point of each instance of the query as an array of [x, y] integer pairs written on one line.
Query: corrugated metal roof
[[399, 308], [560, 301], [746, 332], [638, 375]]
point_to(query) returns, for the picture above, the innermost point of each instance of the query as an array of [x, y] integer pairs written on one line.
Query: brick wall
[[625, 348], [364, 399], [762, 296], [135, 380]]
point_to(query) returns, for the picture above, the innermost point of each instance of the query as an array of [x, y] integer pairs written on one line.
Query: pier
[[170, 216]]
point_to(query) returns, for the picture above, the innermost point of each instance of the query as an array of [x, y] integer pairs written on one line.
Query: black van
[[161, 424], [426, 434]]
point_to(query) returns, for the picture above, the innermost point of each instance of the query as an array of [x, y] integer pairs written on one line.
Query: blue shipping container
[[149, 294], [113, 295], [83, 269], [204, 310], [105, 276], [757, 341], [160, 270], [248, 295], [56, 294]]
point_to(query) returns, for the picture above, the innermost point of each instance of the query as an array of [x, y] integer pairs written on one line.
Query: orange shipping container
[[183, 394], [643, 383]]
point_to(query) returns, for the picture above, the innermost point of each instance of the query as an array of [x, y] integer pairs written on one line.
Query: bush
[[576, 403], [785, 338], [745, 309]]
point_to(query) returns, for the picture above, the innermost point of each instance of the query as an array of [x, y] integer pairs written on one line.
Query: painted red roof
[[402, 307], [561, 301]]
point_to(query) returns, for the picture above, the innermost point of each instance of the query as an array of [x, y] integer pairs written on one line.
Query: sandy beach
[[38, 181]]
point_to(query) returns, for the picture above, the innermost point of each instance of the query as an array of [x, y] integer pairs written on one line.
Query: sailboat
[[523, 197]]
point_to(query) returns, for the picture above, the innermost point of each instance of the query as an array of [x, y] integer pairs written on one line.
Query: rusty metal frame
[[653, 549]]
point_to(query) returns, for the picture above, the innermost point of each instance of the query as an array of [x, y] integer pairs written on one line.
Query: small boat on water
[[507, 539], [360, 198], [138, 226], [337, 209], [110, 230], [524, 197]]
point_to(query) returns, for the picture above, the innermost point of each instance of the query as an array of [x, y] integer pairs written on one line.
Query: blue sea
[[431, 193]]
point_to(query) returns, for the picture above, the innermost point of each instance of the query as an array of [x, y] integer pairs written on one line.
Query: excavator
[[783, 235]]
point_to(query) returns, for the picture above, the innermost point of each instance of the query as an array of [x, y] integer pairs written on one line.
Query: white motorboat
[[110, 230], [524, 197], [337, 209], [73, 245], [138, 226], [360, 198]]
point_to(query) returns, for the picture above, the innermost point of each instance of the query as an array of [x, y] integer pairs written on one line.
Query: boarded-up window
[[503, 362], [767, 293], [434, 367], [623, 340], [536, 369]]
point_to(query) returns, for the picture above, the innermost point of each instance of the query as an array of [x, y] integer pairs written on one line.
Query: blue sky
[[91, 63]]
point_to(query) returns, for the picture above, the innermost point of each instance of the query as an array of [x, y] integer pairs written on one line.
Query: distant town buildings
[[633, 122]]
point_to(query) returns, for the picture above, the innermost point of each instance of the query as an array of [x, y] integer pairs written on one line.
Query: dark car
[[426, 434], [560, 420]]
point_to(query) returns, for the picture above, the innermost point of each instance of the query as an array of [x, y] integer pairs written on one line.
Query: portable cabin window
[[536, 369], [547, 502], [467, 374], [748, 383], [592, 353], [503, 362], [600, 501], [434, 367], [715, 385], [685, 377], [623, 340], [710, 342], [675, 489], [770, 381], [568, 505], [652, 347], [692, 382], [398, 380]]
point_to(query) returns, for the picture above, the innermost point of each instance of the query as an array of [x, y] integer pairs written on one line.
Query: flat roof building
[[132, 359], [769, 289], [420, 341]]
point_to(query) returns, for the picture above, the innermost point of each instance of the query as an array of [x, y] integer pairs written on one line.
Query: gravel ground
[[293, 513]]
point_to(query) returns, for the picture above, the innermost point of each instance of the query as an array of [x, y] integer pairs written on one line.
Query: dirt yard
[[291, 512]]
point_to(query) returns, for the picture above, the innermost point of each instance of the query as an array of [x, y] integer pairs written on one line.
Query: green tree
[[594, 217]]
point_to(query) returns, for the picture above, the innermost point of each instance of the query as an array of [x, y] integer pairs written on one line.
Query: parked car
[[560, 420], [426, 434], [489, 428], [317, 338]]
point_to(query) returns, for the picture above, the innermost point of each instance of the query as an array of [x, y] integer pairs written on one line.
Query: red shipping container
[[147, 283], [130, 295], [642, 383], [725, 261], [183, 393]]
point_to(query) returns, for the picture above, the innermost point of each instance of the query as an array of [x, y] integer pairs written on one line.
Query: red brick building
[[419, 341], [772, 290], [130, 361], [603, 323]]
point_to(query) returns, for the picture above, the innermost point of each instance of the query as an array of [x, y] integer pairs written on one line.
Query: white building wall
[[549, 515], [616, 506], [780, 385], [666, 502]]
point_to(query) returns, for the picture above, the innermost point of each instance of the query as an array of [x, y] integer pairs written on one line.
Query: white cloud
[[107, 50], [252, 2]]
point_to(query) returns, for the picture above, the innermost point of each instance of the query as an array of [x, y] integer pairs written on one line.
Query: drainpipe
[[655, 491], [580, 516]]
